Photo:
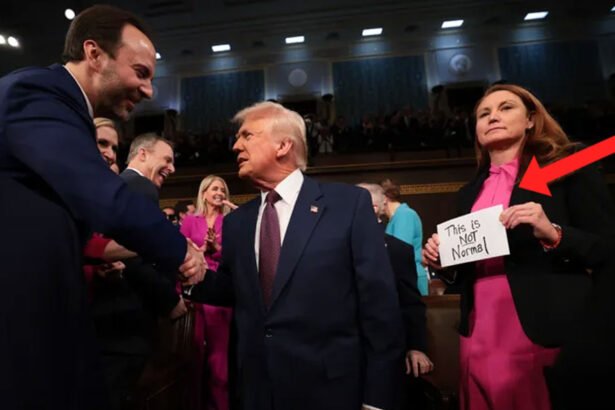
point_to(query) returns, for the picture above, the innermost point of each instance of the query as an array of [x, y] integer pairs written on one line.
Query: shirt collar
[[288, 188], [509, 168], [136, 170], [87, 101]]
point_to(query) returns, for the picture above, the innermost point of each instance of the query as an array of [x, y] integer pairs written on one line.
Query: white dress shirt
[[288, 190], [136, 170]]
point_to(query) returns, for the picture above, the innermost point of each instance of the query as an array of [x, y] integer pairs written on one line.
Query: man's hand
[[418, 363], [110, 270], [179, 310], [192, 271]]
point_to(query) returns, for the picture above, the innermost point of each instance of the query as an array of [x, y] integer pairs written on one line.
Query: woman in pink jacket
[[212, 323]]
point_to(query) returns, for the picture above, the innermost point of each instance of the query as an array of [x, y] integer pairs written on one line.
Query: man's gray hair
[[284, 123], [147, 142], [377, 193]]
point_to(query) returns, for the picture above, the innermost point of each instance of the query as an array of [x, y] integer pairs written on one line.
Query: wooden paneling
[[428, 186]]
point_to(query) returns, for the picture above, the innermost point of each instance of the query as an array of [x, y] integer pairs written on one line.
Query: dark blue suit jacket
[[126, 310], [332, 337], [55, 190], [412, 307]]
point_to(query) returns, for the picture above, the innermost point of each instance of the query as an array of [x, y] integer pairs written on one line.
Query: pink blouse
[[194, 227], [496, 190]]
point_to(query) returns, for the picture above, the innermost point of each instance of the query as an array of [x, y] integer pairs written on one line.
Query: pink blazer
[[194, 227]]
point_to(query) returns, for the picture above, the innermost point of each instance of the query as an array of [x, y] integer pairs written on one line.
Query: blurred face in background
[[107, 142], [215, 194], [158, 162]]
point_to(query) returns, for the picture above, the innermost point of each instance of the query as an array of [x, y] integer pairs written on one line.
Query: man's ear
[[93, 54], [284, 147], [142, 154]]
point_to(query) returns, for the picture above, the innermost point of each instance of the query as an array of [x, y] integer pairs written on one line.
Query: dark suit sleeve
[[155, 286], [50, 136], [379, 314], [589, 237], [157, 289], [140, 185], [217, 287], [583, 372], [412, 307]]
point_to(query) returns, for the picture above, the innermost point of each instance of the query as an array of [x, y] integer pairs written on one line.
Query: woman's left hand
[[530, 213]]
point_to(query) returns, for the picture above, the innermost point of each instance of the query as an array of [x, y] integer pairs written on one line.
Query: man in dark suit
[[56, 189], [412, 307], [316, 311], [126, 309]]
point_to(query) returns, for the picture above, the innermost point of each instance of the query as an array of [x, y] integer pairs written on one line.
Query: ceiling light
[[613, 8], [372, 31], [539, 15], [69, 14], [221, 47], [158, 56], [452, 23], [13, 42], [295, 40], [2, 39]]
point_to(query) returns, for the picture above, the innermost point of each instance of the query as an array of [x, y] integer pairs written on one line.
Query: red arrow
[[536, 178]]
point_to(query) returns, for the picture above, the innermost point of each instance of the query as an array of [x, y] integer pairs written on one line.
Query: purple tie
[[269, 246]]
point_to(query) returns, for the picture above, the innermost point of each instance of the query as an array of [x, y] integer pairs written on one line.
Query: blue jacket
[[55, 190]]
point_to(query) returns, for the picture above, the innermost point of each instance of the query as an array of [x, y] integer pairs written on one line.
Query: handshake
[[193, 270]]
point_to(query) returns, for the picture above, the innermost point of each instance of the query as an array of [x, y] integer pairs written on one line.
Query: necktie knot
[[272, 197]]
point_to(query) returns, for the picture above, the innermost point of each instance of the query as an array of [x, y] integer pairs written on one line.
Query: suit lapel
[[306, 214], [520, 196], [469, 195], [76, 93]]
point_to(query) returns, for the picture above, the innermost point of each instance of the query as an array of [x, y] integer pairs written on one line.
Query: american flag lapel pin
[[314, 209]]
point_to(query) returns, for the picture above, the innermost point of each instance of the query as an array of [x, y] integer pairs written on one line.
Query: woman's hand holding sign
[[530, 213], [431, 252]]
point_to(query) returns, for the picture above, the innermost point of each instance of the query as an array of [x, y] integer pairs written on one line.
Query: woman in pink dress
[[517, 310], [212, 323]]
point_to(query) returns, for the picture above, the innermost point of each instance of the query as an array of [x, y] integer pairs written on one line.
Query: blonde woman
[[107, 139], [212, 323]]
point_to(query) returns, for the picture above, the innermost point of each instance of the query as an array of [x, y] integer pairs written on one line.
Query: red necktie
[[269, 246]]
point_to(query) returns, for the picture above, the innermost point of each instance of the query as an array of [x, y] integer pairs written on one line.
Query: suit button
[[268, 332]]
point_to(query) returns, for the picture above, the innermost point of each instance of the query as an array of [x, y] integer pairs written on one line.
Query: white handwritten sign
[[473, 237]]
